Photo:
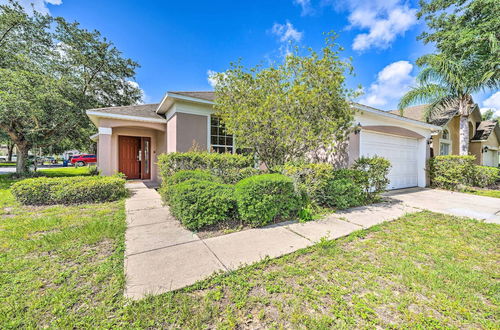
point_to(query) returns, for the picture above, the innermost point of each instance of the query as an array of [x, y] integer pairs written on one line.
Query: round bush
[[181, 176], [261, 199], [199, 203]]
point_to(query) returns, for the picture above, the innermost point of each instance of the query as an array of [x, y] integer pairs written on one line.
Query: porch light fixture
[[429, 141], [485, 149], [357, 129]]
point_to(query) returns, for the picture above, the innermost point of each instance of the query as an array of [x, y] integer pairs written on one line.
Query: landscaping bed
[[220, 193], [62, 267]]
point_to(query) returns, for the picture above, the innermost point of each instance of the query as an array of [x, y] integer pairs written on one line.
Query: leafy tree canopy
[[465, 30], [50, 72], [285, 111]]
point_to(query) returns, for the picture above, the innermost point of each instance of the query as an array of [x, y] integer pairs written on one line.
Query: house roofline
[[125, 117], [387, 114], [169, 97]]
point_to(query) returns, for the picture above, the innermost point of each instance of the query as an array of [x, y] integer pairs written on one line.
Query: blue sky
[[178, 42]]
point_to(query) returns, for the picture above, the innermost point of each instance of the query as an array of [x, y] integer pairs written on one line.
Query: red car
[[82, 160]]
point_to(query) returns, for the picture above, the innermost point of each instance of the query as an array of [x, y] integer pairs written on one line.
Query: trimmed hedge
[[485, 176], [261, 199], [457, 172], [198, 203], [216, 163], [69, 190], [452, 172]]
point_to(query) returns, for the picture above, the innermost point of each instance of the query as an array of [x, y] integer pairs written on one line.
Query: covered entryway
[[134, 157], [401, 151]]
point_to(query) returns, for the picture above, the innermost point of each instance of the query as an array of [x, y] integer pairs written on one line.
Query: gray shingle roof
[[484, 130], [141, 110], [208, 96], [439, 117]]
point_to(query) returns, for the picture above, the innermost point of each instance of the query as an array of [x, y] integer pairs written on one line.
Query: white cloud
[[286, 32], [211, 79], [492, 102], [392, 82], [384, 19], [306, 7], [38, 5]]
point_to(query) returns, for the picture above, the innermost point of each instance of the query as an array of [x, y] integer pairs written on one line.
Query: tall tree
[[285, 111], [445, 83], [465, 34], [465, 30], [490, 115], [79, 69]]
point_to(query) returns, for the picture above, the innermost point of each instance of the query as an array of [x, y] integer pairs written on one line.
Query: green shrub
[[69, 190], [310, 179], [216, 163], [234, 175], [321, 183], [184, 175], [452, 172], [261, 199], [94, 170], [376, 170], [485, 176], [343, 193], [198, 204]]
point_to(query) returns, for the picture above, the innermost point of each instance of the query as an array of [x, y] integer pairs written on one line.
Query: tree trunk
[[464, 135], [463, 110], [22, 166], [10, 149]]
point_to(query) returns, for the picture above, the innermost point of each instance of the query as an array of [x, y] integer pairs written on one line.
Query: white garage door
[[400, 151]]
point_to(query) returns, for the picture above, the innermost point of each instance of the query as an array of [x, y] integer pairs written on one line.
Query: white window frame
[[445, 141], [210, 148]]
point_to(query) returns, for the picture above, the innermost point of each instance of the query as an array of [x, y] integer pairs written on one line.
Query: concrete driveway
[[449, 202]]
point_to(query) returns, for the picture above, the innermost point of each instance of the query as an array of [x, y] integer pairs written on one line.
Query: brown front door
[[134, 157], [128, 156]]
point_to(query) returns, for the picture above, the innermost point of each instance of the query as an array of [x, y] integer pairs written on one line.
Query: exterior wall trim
[[105, 130]]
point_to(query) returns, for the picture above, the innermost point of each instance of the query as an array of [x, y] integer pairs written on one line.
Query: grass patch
[[62, 267], [65, 171], [7, 164], [484, 192]]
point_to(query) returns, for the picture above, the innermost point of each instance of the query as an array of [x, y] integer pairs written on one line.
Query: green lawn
[[62, 267], [481, 192], [5, 164], [65, 171]]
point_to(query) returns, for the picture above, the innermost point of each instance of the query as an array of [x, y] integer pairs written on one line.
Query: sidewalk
[[161, 255]]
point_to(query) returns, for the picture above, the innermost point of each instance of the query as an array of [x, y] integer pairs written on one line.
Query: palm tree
[[446, 83]]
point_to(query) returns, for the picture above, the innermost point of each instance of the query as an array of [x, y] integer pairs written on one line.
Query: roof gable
[[485, 129]]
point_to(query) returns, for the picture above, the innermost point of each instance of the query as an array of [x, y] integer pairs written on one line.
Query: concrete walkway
[[161, 255]]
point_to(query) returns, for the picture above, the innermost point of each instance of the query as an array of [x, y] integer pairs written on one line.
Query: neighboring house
[[130, 138], [484, 136]]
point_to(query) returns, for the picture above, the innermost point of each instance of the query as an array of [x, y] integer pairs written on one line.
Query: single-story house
[[130, 138], [484, 135]]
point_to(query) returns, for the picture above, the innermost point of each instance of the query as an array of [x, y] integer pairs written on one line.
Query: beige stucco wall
[[191, 131], [475, 149], [353, 148]]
